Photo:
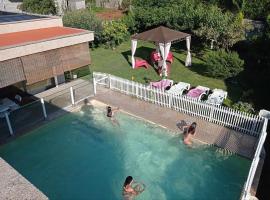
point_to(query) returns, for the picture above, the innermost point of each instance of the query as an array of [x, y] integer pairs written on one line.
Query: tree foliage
[[252, 9], [222, 64], [114, 33], [84, 19], [39, 6], [206, 21]]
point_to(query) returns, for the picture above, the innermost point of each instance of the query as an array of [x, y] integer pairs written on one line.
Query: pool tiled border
[[14, 186]]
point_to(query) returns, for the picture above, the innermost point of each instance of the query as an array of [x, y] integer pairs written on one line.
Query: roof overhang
[[161, 34], [44, 44]]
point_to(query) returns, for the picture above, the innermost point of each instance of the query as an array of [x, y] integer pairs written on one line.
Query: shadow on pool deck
[[207, 132]]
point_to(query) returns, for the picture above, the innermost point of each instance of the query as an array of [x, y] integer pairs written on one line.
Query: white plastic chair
[[179, 88], [217, 97]]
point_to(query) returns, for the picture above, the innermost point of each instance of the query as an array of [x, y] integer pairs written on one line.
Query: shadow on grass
[[141, 53]]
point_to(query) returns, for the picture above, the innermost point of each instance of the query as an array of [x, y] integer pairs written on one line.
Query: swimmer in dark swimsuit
[[110, 114], [110, 111]]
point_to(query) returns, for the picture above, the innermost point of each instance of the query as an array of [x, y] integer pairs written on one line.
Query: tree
[[224, 28], [44, 7], [84, 19]]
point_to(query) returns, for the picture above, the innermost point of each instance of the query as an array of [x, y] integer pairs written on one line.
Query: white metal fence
[[246, 191], [57, 99], [243, 122]]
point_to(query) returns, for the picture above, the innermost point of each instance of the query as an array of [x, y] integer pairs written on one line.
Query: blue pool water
[[85, 156]]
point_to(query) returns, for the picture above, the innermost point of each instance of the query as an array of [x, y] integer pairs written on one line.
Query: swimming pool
[[84, 155]]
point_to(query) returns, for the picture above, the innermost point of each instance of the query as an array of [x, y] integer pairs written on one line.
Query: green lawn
[[116, 62]]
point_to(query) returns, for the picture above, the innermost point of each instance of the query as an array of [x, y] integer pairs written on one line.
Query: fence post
[[43, 108], [8, 123], [109, 78], [211, 113], [72, 95], [95, 85], [170, 100]]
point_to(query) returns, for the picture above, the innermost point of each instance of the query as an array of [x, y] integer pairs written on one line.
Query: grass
[[117, 62]]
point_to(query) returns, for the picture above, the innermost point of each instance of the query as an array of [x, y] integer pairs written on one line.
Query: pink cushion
[[155, 56], [195, 92], [141, 63], [161, 84], [170, 57]]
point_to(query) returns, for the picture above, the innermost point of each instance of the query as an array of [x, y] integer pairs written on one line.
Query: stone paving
[[14, 186], [206, 132]]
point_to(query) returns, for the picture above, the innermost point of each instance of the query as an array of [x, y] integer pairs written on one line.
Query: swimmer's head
[[109, 108], [192, 128], [193, 125], [128, 181]]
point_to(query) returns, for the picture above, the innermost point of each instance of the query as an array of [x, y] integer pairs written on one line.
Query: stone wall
[[108, 3]]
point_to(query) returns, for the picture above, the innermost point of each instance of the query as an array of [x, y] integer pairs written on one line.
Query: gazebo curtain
[[188, 59], [133, 50], [164, 50]]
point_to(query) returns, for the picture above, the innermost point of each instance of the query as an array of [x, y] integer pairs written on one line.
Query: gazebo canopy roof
[[160, 34]]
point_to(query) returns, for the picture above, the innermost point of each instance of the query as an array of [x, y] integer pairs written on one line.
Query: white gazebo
[[163, 38]]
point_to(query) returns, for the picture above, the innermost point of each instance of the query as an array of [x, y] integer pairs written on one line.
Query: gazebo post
[[133, 50], [188, 58]]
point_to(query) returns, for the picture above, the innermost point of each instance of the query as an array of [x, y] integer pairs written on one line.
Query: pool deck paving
[[206, 132], [14, 186]]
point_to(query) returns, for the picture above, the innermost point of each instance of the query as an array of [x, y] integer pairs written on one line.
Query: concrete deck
[[207, 132], [14, 186]]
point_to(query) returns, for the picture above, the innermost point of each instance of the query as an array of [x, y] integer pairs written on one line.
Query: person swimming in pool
[[110, 114], [110, 111], [129, 192], [189, 131]]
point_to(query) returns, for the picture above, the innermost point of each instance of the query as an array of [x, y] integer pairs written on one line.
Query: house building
[[61, 5], [36, 51]]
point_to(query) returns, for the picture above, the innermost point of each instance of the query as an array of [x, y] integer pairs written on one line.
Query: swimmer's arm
[[184, 128], [115, 109]]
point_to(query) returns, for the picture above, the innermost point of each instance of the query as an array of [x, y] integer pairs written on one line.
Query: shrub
[[222, 64], [268, 26], [84, 19], [243, 107], [39, 6], [255, 9], [129, 21], [114, 33]]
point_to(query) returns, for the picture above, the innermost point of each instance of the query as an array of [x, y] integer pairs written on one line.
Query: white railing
[[224, 116], [246, 191]]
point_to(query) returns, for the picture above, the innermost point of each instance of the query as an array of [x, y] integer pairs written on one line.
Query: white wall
[[36, 47], [11, 27]]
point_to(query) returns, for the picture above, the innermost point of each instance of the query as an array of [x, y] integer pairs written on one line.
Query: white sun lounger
[[217, 97], [179, 88]]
